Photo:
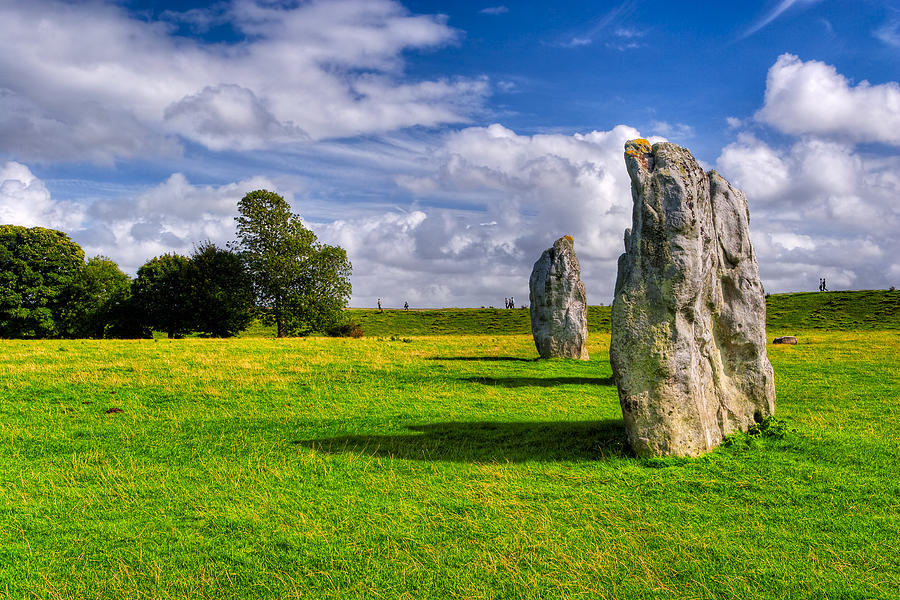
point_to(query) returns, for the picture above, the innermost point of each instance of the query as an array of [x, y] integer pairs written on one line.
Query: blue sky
[[446, 144]]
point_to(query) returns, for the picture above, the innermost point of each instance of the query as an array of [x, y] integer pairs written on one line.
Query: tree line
[[276, 271]]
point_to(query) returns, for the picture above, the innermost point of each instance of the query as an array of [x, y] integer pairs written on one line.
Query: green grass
[[437, 467], [862, 310], [458, 321]]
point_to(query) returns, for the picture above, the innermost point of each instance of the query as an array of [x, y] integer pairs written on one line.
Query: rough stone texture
[[558, 303], [688, 347], [785, 339]]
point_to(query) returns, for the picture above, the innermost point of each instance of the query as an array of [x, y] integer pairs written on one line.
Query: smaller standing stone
[[558, 303], [785, 339]]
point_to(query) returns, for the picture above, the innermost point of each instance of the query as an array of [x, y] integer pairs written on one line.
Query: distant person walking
[[379, 305], [824, 289], [512, 302], [821, 284], [406, 306], [506, 302]]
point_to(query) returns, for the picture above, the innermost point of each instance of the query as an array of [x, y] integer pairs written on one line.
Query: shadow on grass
[[487, 358], [514, 382], [489, 441]]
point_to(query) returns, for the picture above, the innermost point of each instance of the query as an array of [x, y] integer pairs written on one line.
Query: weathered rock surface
[[558, 303], [688, 347], [785, 339]]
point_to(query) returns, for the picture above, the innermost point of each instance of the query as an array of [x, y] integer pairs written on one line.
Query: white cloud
[[754, 167], [515, 194], [821, 206], [228, 116], [494, 10], [25, 201], [171, 217], [85, 80], [812, 98], [676, 132], [818, 209], [578, 41], [626, 38], [889, 33], [776, 12]]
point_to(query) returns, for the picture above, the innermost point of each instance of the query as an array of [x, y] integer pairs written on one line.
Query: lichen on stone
[[637, 147]]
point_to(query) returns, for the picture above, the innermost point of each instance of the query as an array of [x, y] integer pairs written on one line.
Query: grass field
[[433, 466], [864, 310]]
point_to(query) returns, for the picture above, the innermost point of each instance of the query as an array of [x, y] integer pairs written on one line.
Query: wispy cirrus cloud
[[778, 10], [889, 33], [602, 25]]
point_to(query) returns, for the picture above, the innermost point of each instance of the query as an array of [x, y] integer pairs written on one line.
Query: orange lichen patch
[[637, 147], [569, 237]]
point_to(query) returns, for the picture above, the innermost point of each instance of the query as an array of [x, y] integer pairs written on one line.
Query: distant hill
[[865, 310], [856, 310]]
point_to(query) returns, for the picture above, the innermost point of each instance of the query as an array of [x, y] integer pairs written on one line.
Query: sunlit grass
[[437, 467]]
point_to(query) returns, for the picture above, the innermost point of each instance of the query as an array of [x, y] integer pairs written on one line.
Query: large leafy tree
[[221, 291], [38, 272], [100, 294], [162, 294], [301, 284]]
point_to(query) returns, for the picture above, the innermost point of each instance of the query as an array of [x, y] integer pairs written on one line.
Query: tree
[[221, 291], [302, 285], [38, 270], [99, 293], [162, 294]]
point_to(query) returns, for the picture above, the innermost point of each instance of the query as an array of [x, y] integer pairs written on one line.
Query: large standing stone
[[688, 347], [558, 303]]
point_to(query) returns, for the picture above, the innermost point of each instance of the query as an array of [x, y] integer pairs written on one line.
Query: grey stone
[[688, 347], [785, 339], [558, 303]]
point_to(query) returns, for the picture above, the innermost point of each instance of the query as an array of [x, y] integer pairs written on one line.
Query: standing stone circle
[[558, 303], [688, 347]]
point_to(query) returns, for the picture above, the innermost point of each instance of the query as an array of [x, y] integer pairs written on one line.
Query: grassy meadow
[[417, 463]]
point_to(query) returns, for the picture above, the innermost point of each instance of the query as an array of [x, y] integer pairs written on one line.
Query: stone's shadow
[[489, 441], [514, 382], [487, 358]]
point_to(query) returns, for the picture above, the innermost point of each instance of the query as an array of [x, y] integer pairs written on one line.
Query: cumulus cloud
[[812, 98], [87, 80], [512, 196], [823, 204], [173, 216], [818, 209], [25, 200], [490, 200], [228, 116]]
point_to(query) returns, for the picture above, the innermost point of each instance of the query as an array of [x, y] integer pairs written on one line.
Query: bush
[[770, 428], [345, 330]]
